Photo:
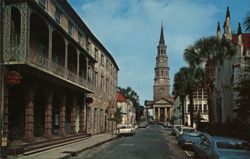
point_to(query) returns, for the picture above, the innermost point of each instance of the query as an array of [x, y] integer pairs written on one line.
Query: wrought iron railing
[[43, 62]]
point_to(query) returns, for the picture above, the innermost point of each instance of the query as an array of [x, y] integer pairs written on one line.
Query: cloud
[[130, 30]]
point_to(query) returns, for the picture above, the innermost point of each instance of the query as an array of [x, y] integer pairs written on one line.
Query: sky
[[130, 31]]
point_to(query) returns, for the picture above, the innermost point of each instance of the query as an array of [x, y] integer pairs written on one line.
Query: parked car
[[215, 147], [187, 139], [143, 124], [175, 128], [184, 129], [125, 129]]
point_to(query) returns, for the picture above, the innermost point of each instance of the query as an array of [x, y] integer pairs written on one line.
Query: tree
[[247, 22], [188, 79], [118, 115], [180, 90], [207, 52], [243, 100], [130, 94]]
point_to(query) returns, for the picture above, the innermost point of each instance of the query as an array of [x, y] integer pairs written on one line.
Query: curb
[[76, 153]]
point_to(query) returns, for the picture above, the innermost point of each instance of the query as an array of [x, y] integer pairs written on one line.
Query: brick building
[[60, 80]]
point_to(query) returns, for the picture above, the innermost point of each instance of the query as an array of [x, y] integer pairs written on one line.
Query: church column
[[159, 114], [166, 114]]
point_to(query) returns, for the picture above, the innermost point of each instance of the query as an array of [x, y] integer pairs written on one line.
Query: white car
[[125, 129], [184, 129]]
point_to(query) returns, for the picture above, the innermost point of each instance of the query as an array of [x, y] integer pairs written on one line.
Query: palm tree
[[186, 82], [247, 21], [179, 90], [207, 52]]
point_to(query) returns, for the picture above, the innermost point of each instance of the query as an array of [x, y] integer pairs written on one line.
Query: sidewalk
[[69, 150]]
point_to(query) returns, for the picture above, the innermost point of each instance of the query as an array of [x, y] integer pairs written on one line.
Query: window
[[107, 64], [107, 85], [204, 93], [195, 94], [102, 82], [96, 79], [102, 60], [42, 3], [79, 38], [200, 93], [205, 108], [88, 45], [200, 107], [88, 117], [96, 54], [95, 118], [70, 28], [101, 118], [58, 16]]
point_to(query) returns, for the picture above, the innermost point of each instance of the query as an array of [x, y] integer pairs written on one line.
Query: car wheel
[[183, 147]]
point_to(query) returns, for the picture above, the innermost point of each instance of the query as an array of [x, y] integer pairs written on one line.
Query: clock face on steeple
[[161, 90]]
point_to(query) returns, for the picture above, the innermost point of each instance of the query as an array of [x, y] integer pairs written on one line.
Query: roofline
[[82, 25]]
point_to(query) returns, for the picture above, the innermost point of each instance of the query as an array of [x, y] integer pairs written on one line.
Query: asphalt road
[[153, 142]]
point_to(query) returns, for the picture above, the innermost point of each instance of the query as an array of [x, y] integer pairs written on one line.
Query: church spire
[[239, 29], [218, 31], [162, 41], [227, 28], [228, 12]]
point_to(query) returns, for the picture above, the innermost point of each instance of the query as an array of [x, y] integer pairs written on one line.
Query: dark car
[[187, 139], [175, 128], [215, 147]]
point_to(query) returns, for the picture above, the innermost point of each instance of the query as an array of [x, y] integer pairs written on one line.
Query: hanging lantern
[[13, 78]]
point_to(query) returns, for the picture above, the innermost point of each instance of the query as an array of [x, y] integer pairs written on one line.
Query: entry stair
[[44, 144]]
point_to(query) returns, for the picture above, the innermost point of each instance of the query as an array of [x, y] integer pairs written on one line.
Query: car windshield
[[233, 145], [193, 134], [125, 126]]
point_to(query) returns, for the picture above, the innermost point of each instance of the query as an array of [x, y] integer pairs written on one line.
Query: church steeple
[[218, 31], [227, 27], [239, 29], [161, 80], [162, 41]]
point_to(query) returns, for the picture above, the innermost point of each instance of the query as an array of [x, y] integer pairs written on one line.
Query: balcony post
[[25, 32], [78, 63], [66, 60], [50, 49], [6, 33], [87, 69]]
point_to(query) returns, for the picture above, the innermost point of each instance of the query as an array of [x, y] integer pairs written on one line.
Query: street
[[153, 142]]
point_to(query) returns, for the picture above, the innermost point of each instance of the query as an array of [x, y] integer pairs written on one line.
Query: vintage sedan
[[125, 129], [184, 129], [175, 129], [215, 147], [186, 140]]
